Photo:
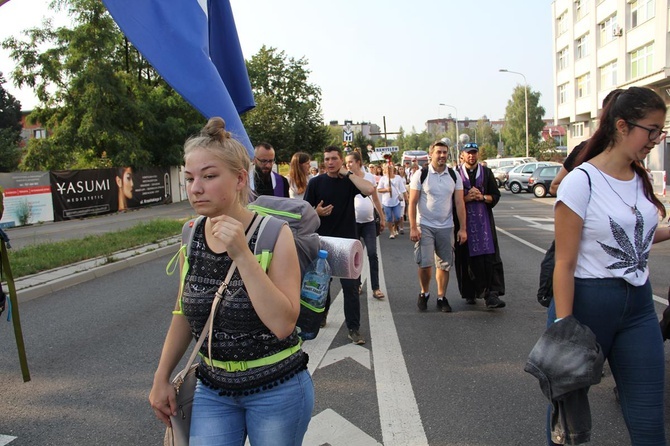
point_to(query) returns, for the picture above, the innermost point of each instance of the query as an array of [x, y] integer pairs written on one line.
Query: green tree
[[487, 139], [514, 132], [288, 108], [101, 101], [10, 130]]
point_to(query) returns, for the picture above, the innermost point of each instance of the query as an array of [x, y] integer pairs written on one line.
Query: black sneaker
[[470, 301], [356, 337], [443, 305], [493, 301], [422, 302]]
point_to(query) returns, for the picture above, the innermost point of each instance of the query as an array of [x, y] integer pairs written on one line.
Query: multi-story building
[[368, 129], [30, 131], [600, 45], [440, 125]]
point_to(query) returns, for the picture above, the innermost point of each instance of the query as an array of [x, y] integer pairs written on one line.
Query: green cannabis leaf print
[[631, 256]]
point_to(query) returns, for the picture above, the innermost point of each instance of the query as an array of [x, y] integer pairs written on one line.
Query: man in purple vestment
[[479, 268]]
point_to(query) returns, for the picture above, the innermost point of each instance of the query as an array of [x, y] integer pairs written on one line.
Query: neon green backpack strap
[[187, 232], [268, 233]]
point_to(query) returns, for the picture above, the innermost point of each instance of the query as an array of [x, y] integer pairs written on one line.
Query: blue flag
[[193, 44]]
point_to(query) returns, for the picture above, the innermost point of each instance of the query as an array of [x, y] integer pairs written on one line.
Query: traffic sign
[[387, 149]]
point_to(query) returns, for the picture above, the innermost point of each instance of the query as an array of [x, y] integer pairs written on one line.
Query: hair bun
[[216, 129]]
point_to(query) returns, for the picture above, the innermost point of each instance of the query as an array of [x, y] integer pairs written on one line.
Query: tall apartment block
[[600, 45]]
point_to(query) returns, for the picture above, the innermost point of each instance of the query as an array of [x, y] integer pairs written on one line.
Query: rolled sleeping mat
[[345, 256]]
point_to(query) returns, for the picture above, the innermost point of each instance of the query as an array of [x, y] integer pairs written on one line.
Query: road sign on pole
[[348, 133], [387, 149]]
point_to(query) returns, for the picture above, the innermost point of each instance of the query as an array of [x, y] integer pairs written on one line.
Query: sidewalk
[[41, 284]]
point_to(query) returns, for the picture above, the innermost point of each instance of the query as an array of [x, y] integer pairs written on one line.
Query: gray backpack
[[301, 218], [278, 211]]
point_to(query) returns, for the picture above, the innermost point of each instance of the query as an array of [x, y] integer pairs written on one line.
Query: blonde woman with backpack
[[254, 383]]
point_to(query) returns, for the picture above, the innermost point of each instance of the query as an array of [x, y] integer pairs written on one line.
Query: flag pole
[[14, 304]]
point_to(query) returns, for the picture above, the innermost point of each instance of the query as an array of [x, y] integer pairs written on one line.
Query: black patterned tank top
[[238, 333]]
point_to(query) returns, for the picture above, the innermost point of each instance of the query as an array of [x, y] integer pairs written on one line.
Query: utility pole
[[385, 133]]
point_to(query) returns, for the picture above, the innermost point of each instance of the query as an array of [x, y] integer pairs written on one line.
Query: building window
[[39, 133], [608, 30], [641, 61], [562, 23], [608, 77], [562, 94], [578, 129], [562, 61], [641, 11], [583, 85], [582, 47], [580, 9]]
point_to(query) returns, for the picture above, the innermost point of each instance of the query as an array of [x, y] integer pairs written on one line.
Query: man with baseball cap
[[479, 268]]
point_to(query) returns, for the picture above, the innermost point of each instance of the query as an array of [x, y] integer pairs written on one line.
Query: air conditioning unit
[[617, 31]]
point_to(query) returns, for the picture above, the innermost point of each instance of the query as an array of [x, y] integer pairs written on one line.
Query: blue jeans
[[393, 213], [368, 232], [274, 417], [623, 318]]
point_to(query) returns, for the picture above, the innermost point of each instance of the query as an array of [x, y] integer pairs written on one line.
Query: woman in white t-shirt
[[393, 190], [606, 218], [365, 221]]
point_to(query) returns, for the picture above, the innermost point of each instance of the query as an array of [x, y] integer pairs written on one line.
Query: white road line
[[658, 299], [330, 428], [6, 439], [398, 410], [318, 347], [520, 240]]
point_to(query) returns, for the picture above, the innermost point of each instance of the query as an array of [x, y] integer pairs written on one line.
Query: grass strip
[[45, 256]]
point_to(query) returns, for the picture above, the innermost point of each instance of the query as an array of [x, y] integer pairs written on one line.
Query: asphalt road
[[421, 379]]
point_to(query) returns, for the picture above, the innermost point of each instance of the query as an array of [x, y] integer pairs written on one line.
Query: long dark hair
[[631, 105]]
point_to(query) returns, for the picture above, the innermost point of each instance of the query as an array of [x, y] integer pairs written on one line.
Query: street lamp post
[[502, 70], [456, 136]]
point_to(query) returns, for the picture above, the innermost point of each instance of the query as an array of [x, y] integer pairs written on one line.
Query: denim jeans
[[274, 417], [392, 213], [623, 318], [368, 232]]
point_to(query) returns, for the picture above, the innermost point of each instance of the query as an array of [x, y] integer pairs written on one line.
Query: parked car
[[541, 179], [495, 163], [501, 175], [517, 178]]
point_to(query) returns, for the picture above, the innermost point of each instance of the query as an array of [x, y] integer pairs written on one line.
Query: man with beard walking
[[432, 191]]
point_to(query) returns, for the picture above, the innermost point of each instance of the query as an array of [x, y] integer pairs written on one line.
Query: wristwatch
[[349, 173]]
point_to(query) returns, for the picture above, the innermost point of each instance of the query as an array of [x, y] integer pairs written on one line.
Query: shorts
[[392, 213], [434, 247]]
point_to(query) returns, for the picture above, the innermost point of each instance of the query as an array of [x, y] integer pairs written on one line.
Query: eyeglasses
[[654, 133], [265, 161]]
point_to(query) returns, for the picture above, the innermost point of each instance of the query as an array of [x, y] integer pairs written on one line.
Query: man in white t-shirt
[[431, 191]]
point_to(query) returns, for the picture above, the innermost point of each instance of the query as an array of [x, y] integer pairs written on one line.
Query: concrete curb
[[41, 284]]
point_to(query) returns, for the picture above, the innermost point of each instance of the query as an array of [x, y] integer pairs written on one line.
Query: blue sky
[[375, 58]]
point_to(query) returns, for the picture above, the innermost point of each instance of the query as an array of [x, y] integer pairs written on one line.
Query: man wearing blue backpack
[[332, 196]]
